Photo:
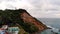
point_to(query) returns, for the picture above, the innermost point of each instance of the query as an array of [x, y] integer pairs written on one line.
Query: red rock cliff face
[[28, 18]]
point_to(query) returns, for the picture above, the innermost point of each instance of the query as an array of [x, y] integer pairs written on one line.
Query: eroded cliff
[[21, 17], [26, 17]]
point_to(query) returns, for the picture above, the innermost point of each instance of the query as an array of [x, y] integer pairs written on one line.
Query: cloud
[[37, 8], [45, 8], [58, 14], [12, 4], [55, 2]]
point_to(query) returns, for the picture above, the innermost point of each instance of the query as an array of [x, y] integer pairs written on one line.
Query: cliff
[[22, 18], [26, 17]]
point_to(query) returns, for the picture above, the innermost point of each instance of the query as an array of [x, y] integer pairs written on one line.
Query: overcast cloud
[[37, 8]]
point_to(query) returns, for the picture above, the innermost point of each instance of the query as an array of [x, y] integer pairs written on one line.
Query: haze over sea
[[54, 23]]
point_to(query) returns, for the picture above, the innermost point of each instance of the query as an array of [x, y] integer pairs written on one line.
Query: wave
[[53, 29]]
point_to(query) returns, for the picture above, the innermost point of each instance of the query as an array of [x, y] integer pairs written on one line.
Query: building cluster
[[9, 30]]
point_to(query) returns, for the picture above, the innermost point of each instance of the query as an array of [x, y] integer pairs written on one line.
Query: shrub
[[29, 27]]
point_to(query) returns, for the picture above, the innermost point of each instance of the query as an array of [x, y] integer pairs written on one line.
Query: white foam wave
[[54, 29]]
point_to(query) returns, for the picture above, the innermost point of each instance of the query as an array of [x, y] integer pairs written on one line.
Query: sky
[[37, 8]]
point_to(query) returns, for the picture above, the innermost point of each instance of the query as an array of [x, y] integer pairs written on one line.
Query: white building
[[13, 30], [4, 26], [2, 31]]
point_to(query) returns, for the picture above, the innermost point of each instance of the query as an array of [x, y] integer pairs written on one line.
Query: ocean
[[54, 23]]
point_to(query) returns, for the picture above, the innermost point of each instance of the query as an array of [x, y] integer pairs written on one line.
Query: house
[[5, 27], [13, 30], [2, 31], [9, 30]]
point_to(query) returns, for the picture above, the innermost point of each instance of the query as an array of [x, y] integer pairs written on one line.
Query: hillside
[[22, 18]]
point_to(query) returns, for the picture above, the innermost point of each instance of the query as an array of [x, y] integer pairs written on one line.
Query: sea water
[[54, 23]]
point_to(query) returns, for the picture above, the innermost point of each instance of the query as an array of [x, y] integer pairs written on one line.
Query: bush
[[29, 27]]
